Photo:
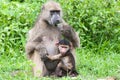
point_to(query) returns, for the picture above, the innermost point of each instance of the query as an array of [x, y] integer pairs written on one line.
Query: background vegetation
[[96, 21]]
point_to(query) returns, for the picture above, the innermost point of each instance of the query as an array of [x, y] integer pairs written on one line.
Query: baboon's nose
[[57, 21]]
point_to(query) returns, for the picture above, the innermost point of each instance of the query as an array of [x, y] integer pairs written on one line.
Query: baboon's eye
[[67, 31], [64, 46], [52, 12]]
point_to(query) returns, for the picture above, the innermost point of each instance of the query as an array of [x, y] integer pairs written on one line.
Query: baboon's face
[[63, 48], [52, 13]]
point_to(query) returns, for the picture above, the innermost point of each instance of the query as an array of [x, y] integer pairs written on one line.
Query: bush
[[96, 20]]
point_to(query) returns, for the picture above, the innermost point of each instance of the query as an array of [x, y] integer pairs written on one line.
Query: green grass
[[98, 26], [90, 66]]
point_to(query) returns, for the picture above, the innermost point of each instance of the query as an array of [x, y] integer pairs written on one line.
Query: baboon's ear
[[43, 7], [57, 43]]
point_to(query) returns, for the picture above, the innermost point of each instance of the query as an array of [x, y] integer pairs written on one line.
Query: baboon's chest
[[53, 34], [51, 37], [51, 48]]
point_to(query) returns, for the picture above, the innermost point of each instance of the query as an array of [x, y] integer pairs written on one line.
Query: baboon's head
[[51, 13], [63, 46]]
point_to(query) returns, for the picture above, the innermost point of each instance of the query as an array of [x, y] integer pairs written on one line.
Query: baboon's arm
[[54, 57], [69, 33], [73, 37]]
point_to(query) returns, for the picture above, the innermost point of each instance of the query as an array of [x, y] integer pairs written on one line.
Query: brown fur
[[35, 48], [66, 62]]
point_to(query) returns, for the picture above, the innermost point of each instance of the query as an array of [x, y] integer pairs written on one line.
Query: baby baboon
[[46, 26], [67, 61]]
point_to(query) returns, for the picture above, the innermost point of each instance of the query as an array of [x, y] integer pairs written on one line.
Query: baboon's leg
[[58, 70], [39, 68]]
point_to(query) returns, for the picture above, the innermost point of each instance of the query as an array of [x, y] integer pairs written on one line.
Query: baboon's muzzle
[[56, 19]]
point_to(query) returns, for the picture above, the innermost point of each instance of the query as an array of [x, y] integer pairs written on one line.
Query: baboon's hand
[[48, 56], [44, 54], [44, 58], [73, 73]]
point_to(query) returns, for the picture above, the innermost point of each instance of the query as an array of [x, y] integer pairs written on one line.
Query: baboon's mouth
[[56, 24], [64, 47]]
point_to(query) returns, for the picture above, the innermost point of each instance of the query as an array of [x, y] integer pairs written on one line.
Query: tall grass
[[96, 21]]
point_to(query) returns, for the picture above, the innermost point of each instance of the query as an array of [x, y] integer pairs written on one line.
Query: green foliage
[[96, 21]]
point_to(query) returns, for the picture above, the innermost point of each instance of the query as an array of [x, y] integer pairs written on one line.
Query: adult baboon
[[46, 26]]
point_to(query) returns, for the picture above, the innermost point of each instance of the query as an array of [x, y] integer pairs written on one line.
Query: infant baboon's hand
[[48, 56]]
